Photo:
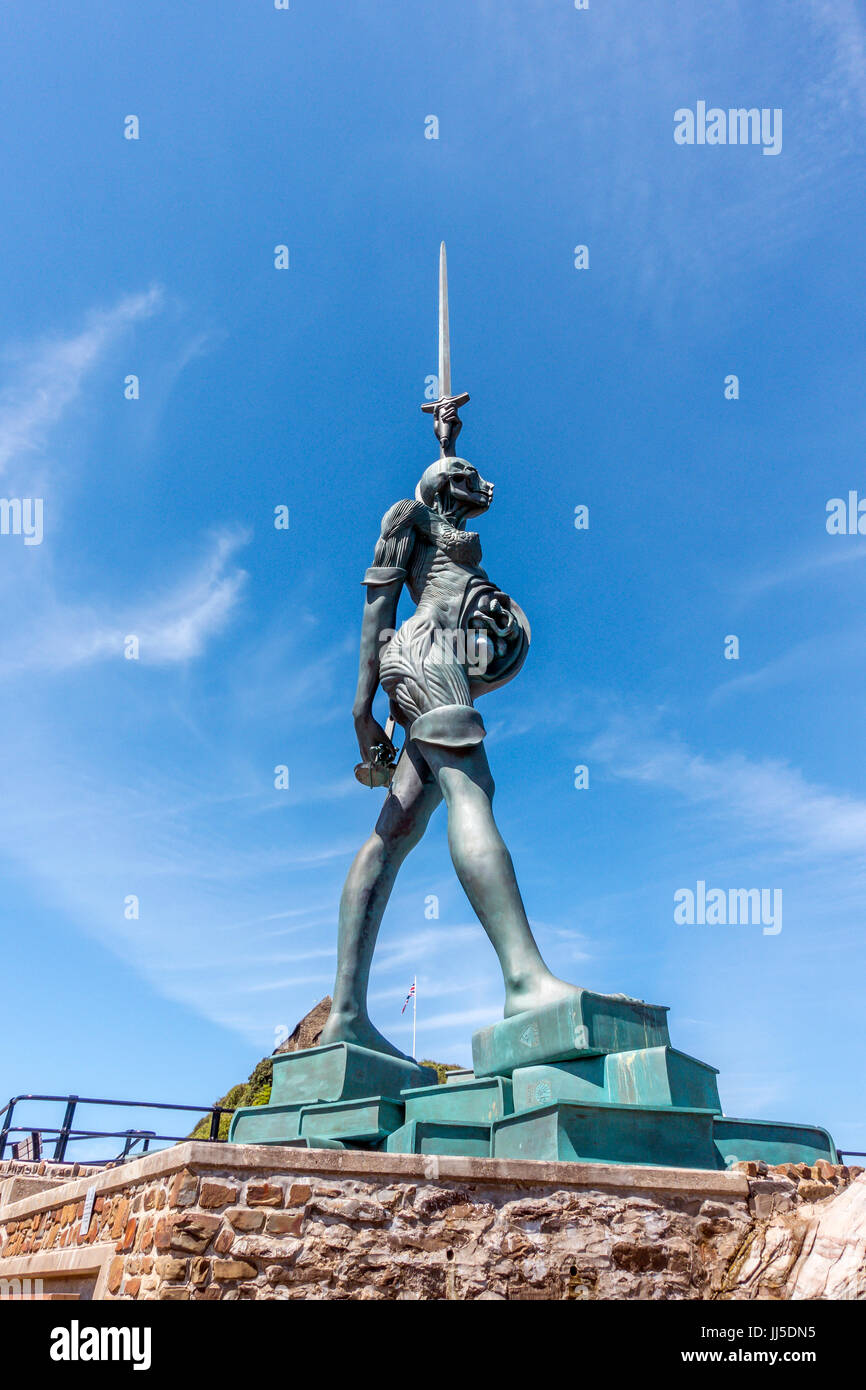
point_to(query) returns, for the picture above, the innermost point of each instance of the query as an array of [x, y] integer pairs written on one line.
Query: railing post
[[63, 1136], [7, 1125], [215, 1117]]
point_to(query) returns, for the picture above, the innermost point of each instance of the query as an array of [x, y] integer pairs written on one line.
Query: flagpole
[[414, 1009]]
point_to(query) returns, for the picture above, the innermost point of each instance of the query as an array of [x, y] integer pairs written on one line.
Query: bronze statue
[[465, 637]]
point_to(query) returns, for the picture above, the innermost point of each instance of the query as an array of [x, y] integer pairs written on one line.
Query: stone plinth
[[579, 1026], [229, 1221]]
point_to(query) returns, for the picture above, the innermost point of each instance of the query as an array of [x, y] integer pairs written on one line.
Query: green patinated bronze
[[580, 1025], [667, 1136], [315, 1143], [772, 1141], [339, 1073], [471, 1102], [437, 1137], [342, 1071], [567, 1073], [362, 1121], [647, 1076], [650, 1105], [265, 1124]]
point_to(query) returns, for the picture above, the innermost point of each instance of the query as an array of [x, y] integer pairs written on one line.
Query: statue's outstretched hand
[[372, 737]]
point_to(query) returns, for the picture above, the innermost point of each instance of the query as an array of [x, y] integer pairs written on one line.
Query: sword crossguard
[[446, 421]]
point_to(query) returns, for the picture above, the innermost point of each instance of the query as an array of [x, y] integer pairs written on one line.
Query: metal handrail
[[66, 1134]]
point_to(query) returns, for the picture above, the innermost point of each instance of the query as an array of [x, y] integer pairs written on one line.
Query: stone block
[[284, 1223], [244, 1220], [471, 1101], [233, 1269], [215, 1194], [168, 1267], [582, 1025], [365, 1120], [264, 1194], [773, 1141], [183, 1190], [317, 1076], [265, 1124], [644, 1076], [439, 1137], [314, 1142], [342, 1071], [192, 1233], [673, 1136]]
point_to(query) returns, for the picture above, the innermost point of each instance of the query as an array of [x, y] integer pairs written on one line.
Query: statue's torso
[[446, 653], [444, 572]]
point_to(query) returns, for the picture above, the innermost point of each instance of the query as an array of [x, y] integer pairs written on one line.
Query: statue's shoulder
[[405, 515]]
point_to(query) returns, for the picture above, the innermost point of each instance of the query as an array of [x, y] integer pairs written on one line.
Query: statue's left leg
[[486, 871], [413, 797]]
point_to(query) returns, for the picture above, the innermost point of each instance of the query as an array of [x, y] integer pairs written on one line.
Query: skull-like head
[[455, 488]]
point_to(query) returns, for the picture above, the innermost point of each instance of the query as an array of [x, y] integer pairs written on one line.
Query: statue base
[[591, 1079], [437, 1137], [645, 1076], [339, 1091], [668, 1137], [579, 1026]]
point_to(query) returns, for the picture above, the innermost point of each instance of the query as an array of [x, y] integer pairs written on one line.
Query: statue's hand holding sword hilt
[[377, 751]]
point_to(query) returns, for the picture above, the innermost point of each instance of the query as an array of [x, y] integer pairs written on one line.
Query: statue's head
[[453, 487]]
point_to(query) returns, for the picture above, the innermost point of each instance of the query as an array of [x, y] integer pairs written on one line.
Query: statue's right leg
[[413, 797], [482, 860]]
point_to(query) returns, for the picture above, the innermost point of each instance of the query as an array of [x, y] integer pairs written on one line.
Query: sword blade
[[444, 339]]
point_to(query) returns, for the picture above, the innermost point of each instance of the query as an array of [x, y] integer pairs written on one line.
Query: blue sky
[[261, 387]]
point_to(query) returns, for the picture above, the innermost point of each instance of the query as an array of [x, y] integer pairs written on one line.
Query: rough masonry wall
[[313, 1226]]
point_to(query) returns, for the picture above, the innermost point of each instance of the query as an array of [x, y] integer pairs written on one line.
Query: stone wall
[[21, 1179], [207, 1221]]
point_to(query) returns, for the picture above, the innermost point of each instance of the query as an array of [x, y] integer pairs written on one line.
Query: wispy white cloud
[[465, 1018], [46, 378], [766, 800], [173, 627], [414, 946], [829, 560], [826, 652]]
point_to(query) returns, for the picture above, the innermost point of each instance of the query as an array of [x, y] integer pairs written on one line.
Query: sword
[[378, 770], [446, 421]]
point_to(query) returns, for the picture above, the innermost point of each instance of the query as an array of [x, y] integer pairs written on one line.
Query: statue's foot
[[535, 992], [357, 1029]]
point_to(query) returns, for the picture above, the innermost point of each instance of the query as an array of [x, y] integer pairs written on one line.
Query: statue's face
[[470, 493]]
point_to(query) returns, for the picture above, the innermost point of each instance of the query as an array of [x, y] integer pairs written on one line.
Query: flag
[[408, 997]]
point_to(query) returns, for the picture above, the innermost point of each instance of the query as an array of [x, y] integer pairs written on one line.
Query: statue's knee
[[372, 854], [482, 778], [464, 778], [395, 836]]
